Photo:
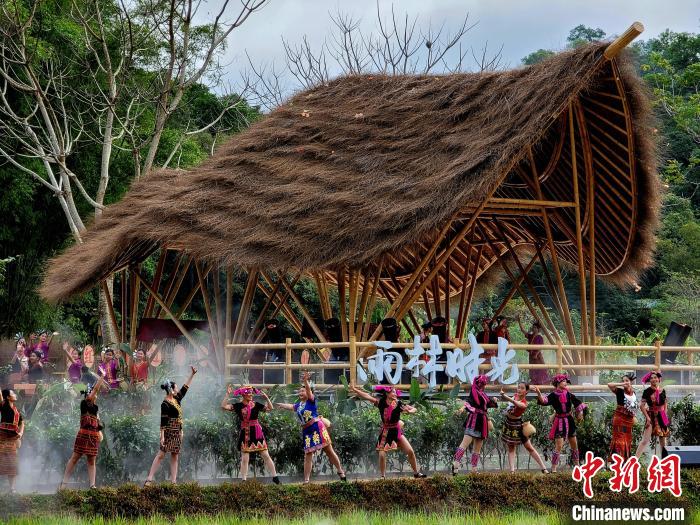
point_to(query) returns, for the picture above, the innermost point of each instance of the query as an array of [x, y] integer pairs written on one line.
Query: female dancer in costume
[[391, 434], [109, 369], [74, 355], [170, 427], [11, 430], [250, 437], [563, 426], [87, 442], [512, 432], [623, 419], [476, 426], [314, 432], [655, 412]]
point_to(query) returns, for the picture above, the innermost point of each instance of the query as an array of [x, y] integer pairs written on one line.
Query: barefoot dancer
[[512, 432], [623, 419], [87, 442], [314, 432], [655, 412], [11, 431], [170, 427], [476, 426], [391, 435], [250, 438], [563, 426]]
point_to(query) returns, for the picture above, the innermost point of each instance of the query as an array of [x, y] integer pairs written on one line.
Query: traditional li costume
[[171, 422], [87, 441], [623, 423], [313, 431], [250, 437], [10, 423], [655, 399], [477, 423]]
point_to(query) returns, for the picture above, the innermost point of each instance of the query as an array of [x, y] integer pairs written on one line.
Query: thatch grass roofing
[[373, 165]]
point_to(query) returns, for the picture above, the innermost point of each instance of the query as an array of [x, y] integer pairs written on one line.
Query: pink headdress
[[477, 387], [648, 375], [245, 390], [561, 393], [385, 389]]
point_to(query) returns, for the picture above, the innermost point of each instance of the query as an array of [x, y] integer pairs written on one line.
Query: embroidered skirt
[[389, 437], [315, 436], [658, 427], [251, 437], [8, 455], [563, 426], [622, 425], [512, 431], [88, 439], [172, 437], [476, 424]]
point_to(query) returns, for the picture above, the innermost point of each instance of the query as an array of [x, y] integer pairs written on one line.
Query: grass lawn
[[352, 518]]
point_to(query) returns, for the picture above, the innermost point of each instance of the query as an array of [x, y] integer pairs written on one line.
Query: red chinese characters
[[587, 471], [625, 474], [665, 474]]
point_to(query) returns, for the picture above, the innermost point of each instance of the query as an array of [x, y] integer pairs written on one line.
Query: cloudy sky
[[521, 26]]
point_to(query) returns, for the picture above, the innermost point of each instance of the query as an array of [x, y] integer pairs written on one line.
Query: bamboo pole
[[265, 308], [213, 328], [463, 292], [178, 284], [133, 323], [447, 294], [288, 360], [246, 304], [190, 296], [373, 299], [229, 302], [150, 302], [353, 360], [579, 238], [283, 307], [301, 306], [354, 282], [123, 305], [472, 288], [553, 250], [364, 298], [513, 288], [216, 283], [162, 304], [110, 308], [171, 280], [341, 303], [623, 40]]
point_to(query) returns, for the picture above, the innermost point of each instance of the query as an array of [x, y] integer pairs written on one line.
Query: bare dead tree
[[51, 101], [397, 45]]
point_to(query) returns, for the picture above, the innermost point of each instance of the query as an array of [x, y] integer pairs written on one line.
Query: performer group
[[315, 430]]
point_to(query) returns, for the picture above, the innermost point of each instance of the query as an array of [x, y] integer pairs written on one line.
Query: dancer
[[250, 437], [313, 429], [655, 412], [563, 426], [623, 419], [476, 426], [109, 369], [11, 431], [87, 442], [512, 432], [170, 427], [391, 435], [74, 354]]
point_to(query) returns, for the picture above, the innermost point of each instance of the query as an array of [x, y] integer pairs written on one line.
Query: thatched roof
[[373, 165]]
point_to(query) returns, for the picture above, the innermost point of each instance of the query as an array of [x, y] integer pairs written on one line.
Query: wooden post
[[340, 277], [287, 360], [354, 282], [363, 303], [123, 304], [372, 300], [353, 360]]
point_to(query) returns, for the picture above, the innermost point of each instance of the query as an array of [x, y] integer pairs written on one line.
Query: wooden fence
[[356, 349]]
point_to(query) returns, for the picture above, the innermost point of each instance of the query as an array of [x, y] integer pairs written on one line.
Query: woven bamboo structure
[[411, 189]]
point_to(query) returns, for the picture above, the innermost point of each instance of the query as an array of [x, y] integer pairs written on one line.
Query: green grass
[[352, 518]]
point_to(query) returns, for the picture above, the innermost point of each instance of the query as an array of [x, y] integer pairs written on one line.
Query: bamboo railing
[[355, 349]]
